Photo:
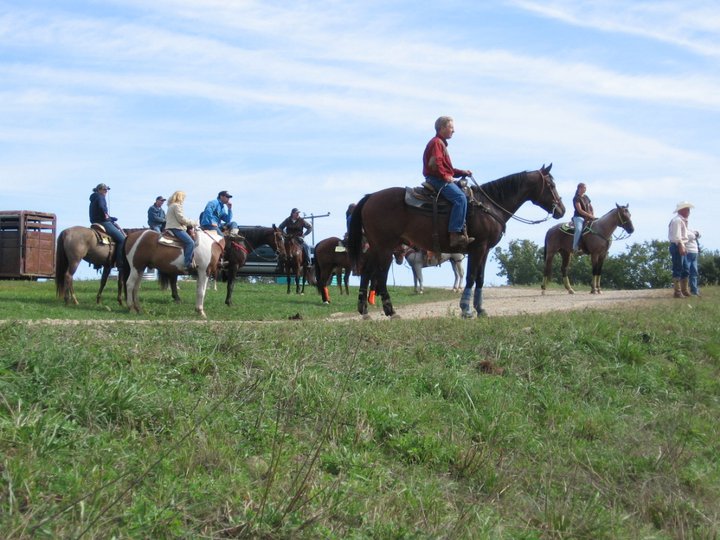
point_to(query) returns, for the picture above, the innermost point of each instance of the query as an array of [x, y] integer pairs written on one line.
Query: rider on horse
[[439, 172], [99, 214], [297, 227], [583, 211], [214, 217]]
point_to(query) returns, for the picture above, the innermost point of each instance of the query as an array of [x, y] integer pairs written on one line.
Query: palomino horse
[[142, 250], [329, 261], [388, 221], [237, 248], [420, 258], [596, 240], [76, 244], [292, 264]]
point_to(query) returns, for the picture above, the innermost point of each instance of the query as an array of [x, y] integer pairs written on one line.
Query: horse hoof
[[394, 316], [482, 313], [326, 302], [366, 316], [570, 291], [468, 315]]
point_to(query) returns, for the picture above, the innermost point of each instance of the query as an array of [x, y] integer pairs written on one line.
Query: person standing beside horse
[[296, 227], [678, 237], [439, 172], [215, 217], [583, 210], [99, 214], [156, 215], [177, 223], [693, 252]]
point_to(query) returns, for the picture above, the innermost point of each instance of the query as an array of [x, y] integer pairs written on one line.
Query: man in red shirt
[[439, 172]]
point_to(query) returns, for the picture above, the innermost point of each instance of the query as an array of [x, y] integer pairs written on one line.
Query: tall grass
[[601, 425]]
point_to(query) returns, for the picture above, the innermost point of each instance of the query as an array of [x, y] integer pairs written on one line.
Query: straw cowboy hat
[[683, 204]]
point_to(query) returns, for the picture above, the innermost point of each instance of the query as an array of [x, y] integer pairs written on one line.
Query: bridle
[[546, 178]]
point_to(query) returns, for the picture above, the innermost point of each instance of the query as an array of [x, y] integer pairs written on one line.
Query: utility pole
[[312, 218]]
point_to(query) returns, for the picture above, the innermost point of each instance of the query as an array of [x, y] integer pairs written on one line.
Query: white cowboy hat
[[683, 204]]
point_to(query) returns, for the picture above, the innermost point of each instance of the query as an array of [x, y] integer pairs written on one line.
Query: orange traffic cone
[[371, 298]]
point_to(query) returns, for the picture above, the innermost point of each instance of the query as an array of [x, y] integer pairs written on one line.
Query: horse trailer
[[27, 244]]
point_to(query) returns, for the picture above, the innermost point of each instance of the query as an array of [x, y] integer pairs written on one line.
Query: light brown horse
[[387, 221], [596, 240], [142, 250], [76, 244]]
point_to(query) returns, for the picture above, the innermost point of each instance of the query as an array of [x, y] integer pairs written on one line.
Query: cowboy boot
[[460, 241], [677, 293], [684, 283]]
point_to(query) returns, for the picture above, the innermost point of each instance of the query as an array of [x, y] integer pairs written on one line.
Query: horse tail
[[164, 280], [355, 233], [61, 265]]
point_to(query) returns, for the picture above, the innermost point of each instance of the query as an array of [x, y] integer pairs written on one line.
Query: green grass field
[[602, 424]]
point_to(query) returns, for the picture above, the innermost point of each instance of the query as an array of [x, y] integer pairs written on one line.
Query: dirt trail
[[499, 301]]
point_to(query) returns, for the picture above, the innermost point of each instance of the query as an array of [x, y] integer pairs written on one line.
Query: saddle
[[103, 238], [426, 199], [168, 238]]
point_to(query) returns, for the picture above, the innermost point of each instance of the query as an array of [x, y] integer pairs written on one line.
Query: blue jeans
[[692, 264], [188, 244], [156, 228], [455, 195], [118, 236], [679, 263], [231, 225], [579, 223]]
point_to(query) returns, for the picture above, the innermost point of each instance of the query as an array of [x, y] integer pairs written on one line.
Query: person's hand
[[682, 250], [697, 234], [467, 173], [229, 204]]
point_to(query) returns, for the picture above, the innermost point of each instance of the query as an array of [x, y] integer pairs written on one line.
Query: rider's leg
[[579, 223]]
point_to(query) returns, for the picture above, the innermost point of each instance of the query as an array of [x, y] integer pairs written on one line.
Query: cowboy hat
[[682, 205]]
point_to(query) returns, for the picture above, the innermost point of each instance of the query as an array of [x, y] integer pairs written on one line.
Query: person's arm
[[308, 228]]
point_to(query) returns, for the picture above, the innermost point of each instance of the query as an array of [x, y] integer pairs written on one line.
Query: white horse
[[419, 259], [142, 250]]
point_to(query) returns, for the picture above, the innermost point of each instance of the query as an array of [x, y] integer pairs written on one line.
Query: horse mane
[[495, 189]]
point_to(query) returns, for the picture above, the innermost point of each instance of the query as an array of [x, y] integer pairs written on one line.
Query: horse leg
[[346, 277], [103, 281], [173, 281], [70, 297], [133, 285], [547, 272], [417, 277], [362, 295], [202, 282], [231, 284], [565, 263], [597, 265]]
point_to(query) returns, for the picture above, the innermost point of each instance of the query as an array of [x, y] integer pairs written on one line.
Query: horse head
[[549, 199], [624, 218], [278, 243]]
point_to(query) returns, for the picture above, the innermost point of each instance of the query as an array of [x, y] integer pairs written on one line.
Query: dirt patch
[[499, 301]]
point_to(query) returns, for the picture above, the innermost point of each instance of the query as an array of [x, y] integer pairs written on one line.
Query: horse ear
[[617, 205], [549, 167]]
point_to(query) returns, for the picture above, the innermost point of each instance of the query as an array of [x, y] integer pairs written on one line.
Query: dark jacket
[[98, 209]]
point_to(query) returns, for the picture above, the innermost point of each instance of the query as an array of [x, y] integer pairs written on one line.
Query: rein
[[511, 214]]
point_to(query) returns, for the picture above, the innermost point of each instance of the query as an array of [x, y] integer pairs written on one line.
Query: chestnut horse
[[329, 261], [76, 244], [142, 250], [596, 240], [387, 221], [420, 258]]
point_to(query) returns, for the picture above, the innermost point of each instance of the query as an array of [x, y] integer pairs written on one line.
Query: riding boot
[[460, 241], [677, 292], [684, 284]]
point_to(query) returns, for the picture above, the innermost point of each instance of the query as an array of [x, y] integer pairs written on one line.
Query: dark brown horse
[[77, 244], [142, 250], [596, 240], [237, 248], [388, 221], [292, 264]]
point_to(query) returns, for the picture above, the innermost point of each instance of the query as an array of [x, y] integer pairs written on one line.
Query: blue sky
[[315, 103]]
